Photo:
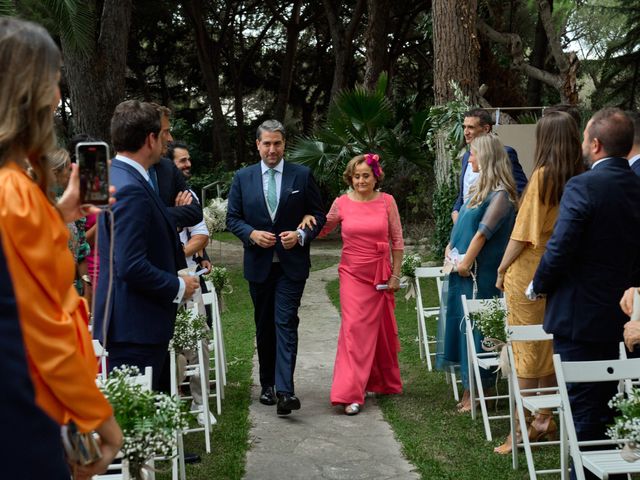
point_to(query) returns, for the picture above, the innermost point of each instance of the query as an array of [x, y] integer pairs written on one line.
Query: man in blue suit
[[266, 203], [591, 258], [31, 446], [634, 154], [135, 316], [478, 122]]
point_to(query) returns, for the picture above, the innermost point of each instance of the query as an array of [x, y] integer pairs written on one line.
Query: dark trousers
[[591, 414], [139, 355], [276, 302]]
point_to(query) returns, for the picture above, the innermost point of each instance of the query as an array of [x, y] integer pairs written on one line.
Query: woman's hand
[[500, 281], [308, 221], [626, 302], [463, 269], [394, 283], [69, 204], [110, 443]]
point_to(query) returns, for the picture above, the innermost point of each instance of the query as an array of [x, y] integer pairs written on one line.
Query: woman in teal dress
[[481, 234]]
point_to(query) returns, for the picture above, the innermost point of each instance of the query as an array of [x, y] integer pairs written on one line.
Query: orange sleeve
[[52, 316]]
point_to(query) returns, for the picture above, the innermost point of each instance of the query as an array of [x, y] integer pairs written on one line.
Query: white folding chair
[[423, 313], [533, 399], [198, 369], [120, 470], [486, 360], [217, 333], [102, 354], [602, 463], [216, 346]]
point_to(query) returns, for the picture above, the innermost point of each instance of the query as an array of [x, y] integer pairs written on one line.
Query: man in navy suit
[[31, 445], [591, 258], [478, 122], [634, 154], [266, 203], [134, 318]]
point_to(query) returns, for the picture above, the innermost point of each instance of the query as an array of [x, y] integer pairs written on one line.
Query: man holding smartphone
[[135, 317]]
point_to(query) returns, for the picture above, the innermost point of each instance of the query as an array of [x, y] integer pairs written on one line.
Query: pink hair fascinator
[[373, 161]]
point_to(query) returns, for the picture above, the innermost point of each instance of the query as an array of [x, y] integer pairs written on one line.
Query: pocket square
[[295, 191]]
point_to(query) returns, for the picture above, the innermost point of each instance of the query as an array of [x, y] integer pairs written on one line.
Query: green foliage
[[410, 262], [492, 321], [443, 200], [627, 424], [189, 330], [219, 175], [7, 8], [148, 419], [75, 22], [360, 121], [219, 276]]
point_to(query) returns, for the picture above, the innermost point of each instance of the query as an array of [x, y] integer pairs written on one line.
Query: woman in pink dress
[[367, 356]]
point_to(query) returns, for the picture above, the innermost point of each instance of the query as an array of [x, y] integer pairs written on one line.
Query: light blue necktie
[[272, 197]]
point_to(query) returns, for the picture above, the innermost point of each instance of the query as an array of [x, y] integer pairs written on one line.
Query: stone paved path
[[319, 441]]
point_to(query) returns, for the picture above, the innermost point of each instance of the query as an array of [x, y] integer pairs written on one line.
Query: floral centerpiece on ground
[[189, 330], [215, 215], [149, 420], [219, 276], [627, 425]]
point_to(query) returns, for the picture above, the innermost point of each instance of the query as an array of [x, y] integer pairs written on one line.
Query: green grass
[[226, 237], [440, 442]]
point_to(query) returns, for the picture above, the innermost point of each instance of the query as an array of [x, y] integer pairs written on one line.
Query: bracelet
[[395, 276]]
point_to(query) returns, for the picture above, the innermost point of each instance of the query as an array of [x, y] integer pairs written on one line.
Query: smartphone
[[92, 158]]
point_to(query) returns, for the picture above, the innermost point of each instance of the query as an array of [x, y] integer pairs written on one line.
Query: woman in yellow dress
[[53, 318], [558, 157]]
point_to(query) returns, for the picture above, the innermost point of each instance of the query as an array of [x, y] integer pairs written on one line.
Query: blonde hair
[[29, 65], [495, 169], [347, 176]]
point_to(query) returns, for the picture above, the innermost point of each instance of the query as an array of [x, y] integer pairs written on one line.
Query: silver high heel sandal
[[352, 409]]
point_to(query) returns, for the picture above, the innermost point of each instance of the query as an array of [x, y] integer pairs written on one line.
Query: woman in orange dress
[[53, 318], [558, 157]]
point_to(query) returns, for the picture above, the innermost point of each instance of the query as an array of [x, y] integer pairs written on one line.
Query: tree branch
[[554, 39]]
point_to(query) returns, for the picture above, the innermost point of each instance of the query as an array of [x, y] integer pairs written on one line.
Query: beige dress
[[534, 225]]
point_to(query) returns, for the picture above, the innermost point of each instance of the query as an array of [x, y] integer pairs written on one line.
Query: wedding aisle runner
[[319, 441]]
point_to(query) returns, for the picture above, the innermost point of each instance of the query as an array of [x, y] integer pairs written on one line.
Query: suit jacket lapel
[[258, 188], [150, 191], [286, 187]]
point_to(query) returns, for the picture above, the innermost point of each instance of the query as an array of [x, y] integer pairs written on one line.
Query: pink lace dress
[[367, 355]]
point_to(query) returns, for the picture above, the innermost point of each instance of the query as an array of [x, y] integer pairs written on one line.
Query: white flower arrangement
[[491, 322], [188, 331], [149, 420], [219, 276], [215, 215], [410, 262], [626, 426]]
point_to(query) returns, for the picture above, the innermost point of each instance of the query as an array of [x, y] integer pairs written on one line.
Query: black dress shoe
[[286, 403], [192, 458], [267, 397]]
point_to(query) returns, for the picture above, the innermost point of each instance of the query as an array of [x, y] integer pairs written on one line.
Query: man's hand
[[631, 334], [263, 239], [110, 443], [191, 284], [626, 302], [289, 239], [184, 198]]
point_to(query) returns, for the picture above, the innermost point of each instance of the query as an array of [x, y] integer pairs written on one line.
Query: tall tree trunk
[[287, 70], [209, 54], [376, 41], [342, 39], [97, 79], [538, 57], [456, 53]]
